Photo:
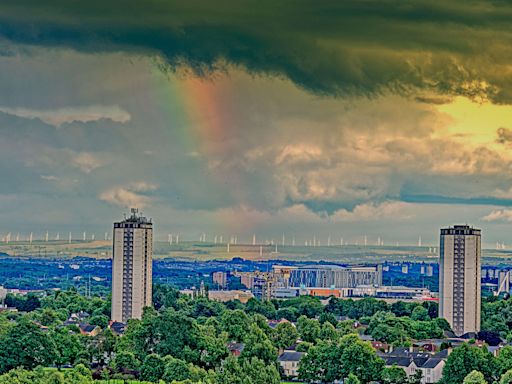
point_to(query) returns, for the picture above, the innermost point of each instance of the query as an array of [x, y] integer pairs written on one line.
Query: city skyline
[[312, 140]]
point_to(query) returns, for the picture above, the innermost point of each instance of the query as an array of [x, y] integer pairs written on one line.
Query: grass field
[[207, 251]]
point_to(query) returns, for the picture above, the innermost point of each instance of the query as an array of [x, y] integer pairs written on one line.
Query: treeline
[[186, 340]]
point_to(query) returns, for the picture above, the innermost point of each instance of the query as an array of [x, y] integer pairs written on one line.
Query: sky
[[385, 118]]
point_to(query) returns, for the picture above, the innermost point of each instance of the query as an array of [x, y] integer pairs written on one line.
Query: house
[[76, 318], [289, 362], [432, 370], [274, 323], [235, 349], [88, 329], [380, 346], [431, 366], [117, 327]]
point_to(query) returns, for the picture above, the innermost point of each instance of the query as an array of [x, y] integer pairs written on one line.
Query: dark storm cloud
[[329, 47]]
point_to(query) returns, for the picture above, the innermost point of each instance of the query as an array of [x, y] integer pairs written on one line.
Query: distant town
[[411, 317]]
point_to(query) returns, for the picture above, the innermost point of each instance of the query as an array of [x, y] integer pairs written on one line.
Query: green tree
[[328, 361], [504, 360], [236, 323], [359, 358], [465, 359], [474, 377], [420, 314], [253, 371], [309, 329], [258, 345], [265, 308], [175, 370], [285, 335], [506, 378], [99, 320], [210, 345], [394, 375], [352, 379], [125, 360], [67, 346], [78, 375], [25, 345], [153, 368], [328, 332]]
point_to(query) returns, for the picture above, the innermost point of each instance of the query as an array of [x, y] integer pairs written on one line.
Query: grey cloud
[[59, 116]]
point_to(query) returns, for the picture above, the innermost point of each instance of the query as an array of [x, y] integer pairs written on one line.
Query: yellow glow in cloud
[[475, 123]]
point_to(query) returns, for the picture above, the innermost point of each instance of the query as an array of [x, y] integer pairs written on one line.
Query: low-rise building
[[430, 365], [289, 362], [236, 349]]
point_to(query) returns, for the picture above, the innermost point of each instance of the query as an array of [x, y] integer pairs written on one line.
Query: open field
[[208, 251]]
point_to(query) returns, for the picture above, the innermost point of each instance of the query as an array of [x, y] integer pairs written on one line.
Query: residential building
[[220, 279], [460, 278], [235, 349], [132, 267], [430, 365], [289, 361]]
